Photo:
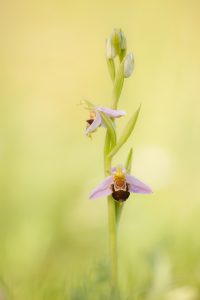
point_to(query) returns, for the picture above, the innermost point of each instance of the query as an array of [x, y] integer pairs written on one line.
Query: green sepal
[[122, 54], [89, 104], [126, 133], [111, 68], [110, 127]]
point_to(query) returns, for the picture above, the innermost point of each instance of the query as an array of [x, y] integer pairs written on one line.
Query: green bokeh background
[[52, 239]]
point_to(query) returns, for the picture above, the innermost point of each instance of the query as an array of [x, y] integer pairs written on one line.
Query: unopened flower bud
[[128, 65], [116, 41], [110, 49], [116, 44], [123, 43]]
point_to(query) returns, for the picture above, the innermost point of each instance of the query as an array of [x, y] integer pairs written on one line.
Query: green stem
[[112, 218], [111, 221], [113, 242]]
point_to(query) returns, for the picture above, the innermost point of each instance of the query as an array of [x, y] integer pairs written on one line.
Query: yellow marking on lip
[[119, 177]]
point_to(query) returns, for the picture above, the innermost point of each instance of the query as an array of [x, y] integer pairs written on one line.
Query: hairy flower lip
[[131, 185], [96, 121]]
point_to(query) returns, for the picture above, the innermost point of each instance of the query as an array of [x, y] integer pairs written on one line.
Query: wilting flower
[[120, 185], [95, 119]]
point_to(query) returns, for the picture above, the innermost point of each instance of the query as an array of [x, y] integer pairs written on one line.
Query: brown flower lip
[[120, 195], [90, 121]]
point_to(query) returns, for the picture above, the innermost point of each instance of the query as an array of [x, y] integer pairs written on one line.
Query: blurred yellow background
[[52, 55]]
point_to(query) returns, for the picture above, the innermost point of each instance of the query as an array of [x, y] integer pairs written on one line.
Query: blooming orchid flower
[[120, 185], [95, 119]]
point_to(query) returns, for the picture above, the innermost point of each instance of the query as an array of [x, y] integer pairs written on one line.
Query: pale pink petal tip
[[113, 113], [103, 189], [137, 186]]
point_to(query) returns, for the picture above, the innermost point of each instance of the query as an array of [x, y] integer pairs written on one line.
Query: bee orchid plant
[[118, 182]]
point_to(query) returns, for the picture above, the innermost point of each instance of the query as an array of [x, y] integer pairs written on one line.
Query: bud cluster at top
[[116, 45]]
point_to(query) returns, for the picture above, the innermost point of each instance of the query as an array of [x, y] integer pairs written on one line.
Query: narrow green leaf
[[126, 133], [111, 68], [110, 127], [129, 161]]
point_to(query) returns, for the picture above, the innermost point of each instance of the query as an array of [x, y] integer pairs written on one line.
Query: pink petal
[[103, 189], [112, 112], [95, 124], [137, 186]]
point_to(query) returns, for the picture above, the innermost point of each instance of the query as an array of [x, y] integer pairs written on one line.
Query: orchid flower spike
[[95, 119], [120, 185]]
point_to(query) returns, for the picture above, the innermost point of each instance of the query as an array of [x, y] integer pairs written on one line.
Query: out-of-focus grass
[[51, 237]]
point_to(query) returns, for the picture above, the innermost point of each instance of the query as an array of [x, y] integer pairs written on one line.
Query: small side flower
[[95, 119]]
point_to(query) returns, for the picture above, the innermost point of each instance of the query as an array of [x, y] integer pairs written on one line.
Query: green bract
[[111, 68], [128, 163], [126, 133], [110, 127]]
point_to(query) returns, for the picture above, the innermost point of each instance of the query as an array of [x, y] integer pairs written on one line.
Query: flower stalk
[[114, 208], [118, 81], [111, 216]]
